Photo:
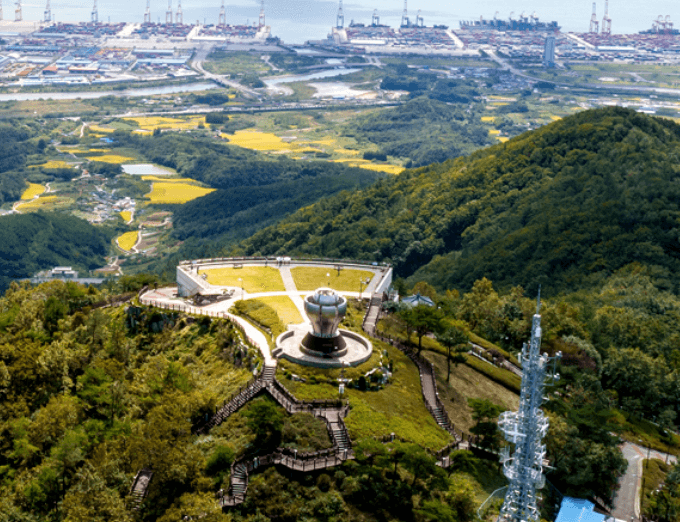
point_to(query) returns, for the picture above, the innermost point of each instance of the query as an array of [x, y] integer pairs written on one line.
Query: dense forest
[[33, 242], [563, 206], [423, 131], [15, 146]]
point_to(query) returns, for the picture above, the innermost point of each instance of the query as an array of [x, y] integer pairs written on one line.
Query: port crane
[[606, 21], [594, 23]]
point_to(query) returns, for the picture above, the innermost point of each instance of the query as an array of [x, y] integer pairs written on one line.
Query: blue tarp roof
[[577, 510], [416, 300]]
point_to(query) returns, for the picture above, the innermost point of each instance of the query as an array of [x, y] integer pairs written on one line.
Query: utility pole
[[526, 429], [147, 13], [95, 13], [340, 21], [168, 14], [48, 12]]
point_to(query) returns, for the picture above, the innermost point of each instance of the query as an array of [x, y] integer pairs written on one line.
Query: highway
[[197, 65]]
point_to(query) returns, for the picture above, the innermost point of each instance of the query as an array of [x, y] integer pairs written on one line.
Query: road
[[197, 65], [279, 107], [583, 87], [627, 501]]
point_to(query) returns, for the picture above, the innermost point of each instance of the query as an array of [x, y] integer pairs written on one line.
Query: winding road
[[627, 501]]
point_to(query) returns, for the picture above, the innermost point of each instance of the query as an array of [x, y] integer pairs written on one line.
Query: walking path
[[627, 501], [292, 291]]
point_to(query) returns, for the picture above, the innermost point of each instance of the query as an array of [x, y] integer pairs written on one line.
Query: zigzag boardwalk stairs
[[332, 412]]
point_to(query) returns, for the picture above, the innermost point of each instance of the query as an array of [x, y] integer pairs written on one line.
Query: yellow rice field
[[111, 158], [157, 122], [389, 169], [555, 118], [488, 119], [98, 128], [168, 180], [126, 215], [53, 164], [329, 142], [32, 191], [42, 203], [262, 141], [353, 161], [83, 151], [127, 240], [175, 193], [494, 132], [502, 139]]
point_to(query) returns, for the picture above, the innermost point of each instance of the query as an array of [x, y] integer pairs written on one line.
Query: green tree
[[422, 320], [265, 420], [454, 338], [485, 414]]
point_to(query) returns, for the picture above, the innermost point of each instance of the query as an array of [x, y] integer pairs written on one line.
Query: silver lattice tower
[[526, 429]]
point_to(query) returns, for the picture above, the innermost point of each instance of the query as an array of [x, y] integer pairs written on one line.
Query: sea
[[297, 21]]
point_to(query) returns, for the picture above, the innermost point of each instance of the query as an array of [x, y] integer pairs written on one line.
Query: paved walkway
[[627, 501], [291, 289]]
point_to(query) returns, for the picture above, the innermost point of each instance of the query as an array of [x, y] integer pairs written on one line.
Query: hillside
[[564, 206], [33, 242]]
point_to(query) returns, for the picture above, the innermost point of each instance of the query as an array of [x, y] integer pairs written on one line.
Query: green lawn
[[467, 383], [285, 308], [311, 278], [398, 408], [254, 278]]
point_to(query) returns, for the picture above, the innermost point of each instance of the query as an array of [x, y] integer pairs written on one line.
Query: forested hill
[[563, 206], [32, 242]]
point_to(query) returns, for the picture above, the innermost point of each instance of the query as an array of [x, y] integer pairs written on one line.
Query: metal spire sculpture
[[526, 428]]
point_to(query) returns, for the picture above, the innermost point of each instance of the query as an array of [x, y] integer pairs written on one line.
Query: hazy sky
[[296, 21]]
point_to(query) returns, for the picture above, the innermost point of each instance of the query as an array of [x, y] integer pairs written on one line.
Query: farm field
[[45, 203], [166, 123], [126, 215], [111, 158], [285, 308], [169, 193], [128, 240], [33, 190], [254, 278], [53, 164], [261, 141], [311, 278]]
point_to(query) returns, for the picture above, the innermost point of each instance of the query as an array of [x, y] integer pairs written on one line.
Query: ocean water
[[296, 21]]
